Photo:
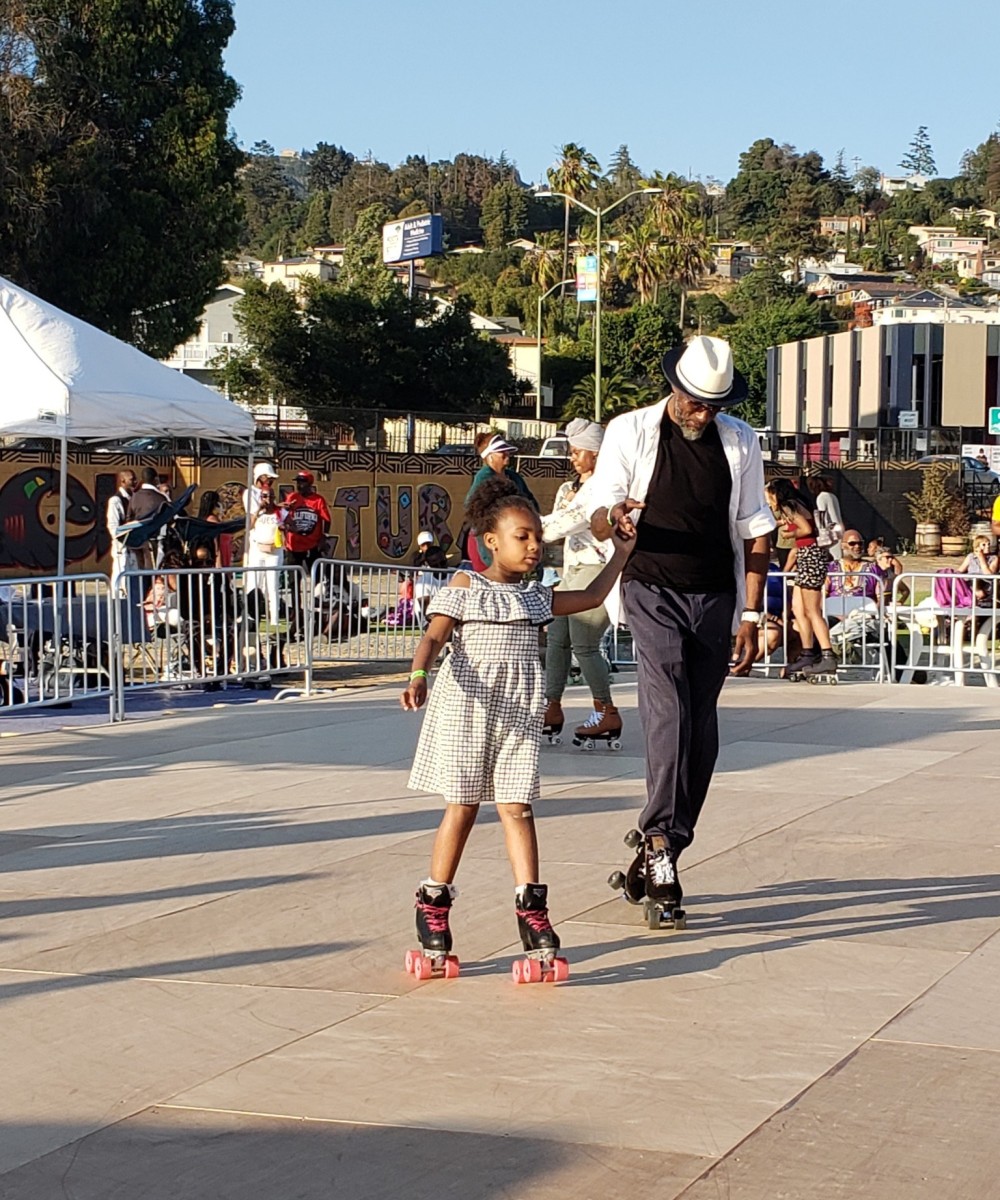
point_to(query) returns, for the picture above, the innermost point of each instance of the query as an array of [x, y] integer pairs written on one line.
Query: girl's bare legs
[[518, 821], [452, 834], [802, 621], [812, 603]]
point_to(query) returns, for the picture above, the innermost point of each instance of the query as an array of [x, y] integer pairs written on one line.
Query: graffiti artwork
[[378, 502]]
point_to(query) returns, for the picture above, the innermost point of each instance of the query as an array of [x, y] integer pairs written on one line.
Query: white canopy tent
[[62, 378]]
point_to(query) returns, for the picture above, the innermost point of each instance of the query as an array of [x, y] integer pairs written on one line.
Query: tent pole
[[63, 484]]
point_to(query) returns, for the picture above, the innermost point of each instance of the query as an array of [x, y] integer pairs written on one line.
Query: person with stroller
[[584, 557]]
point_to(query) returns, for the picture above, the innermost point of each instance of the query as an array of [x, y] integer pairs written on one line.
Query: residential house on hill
[[291, 271], [934, 308], [218, 336], [833, 226]]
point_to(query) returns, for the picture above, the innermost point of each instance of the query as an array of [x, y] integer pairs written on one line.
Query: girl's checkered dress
[[483, 725]]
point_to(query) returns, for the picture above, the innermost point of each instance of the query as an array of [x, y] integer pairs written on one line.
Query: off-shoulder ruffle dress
[[483, 725]]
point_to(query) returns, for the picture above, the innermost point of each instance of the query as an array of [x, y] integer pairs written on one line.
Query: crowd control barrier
[[58, 642], [951, 634], [363, 612], [210, 626]]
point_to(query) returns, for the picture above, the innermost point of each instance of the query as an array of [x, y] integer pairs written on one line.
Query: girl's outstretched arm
[[430, 646], [565, 604]]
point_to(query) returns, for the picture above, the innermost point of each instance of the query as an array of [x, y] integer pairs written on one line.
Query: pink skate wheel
[[534, 970], [422, 968], [409, 960], [560, 970], [451, 967], [516, 971]]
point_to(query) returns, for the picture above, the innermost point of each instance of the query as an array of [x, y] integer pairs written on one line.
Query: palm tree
[[543, 261], [575, 174], [618, 395], [641, 260], [687, 257]]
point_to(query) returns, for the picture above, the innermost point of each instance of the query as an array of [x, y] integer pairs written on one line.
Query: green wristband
[[417, 675]]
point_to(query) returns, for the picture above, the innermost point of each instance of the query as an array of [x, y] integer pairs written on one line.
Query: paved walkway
[[204, 919]]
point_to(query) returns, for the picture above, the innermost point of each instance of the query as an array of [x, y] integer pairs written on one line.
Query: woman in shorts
[[809, 561]]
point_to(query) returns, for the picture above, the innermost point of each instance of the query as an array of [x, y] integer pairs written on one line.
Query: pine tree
[[919, 158]]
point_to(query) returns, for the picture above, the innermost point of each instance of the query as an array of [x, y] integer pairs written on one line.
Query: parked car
[[167, 445], [974, 474], [458, 448], [555, 447]]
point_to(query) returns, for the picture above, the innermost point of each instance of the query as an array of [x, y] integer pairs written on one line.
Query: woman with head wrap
[[583, 559]]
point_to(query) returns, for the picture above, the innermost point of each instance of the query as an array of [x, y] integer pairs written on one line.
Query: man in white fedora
[[688, 480]]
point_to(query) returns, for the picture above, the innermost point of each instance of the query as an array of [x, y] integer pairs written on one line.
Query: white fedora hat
[[703, 370]]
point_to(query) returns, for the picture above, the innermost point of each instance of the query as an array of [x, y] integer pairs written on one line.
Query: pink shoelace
[[437, 917], [539, 921]]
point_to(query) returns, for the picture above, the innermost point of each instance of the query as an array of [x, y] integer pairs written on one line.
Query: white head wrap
[[585, 435]]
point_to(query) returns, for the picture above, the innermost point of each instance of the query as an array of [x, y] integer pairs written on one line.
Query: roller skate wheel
[[588, 744], [633, 839], [422, 967], [560, 970], [518, 975], [555, 739], [451, 967], [616, 880], [654, 918], [679, 917], [534, 970], [411, 957], [615, 744]]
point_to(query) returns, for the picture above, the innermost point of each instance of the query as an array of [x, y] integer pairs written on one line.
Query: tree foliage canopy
[[117, 173]]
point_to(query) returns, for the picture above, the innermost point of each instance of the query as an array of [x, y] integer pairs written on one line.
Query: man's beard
[[691, 434]]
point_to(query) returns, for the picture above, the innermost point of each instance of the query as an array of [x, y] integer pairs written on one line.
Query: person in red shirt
[[307, 522]]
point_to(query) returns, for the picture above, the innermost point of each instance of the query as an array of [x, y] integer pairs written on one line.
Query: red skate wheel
[[534, 970], [517, 973], [422, 968], [411, 956], [560, 970], [451, 967]]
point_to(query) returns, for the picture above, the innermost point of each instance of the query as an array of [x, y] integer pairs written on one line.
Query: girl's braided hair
[[491, 500]]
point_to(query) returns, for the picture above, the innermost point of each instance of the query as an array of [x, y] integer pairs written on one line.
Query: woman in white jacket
[[583, 559]]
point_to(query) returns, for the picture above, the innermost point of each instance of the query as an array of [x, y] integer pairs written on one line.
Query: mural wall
[[378, 502]]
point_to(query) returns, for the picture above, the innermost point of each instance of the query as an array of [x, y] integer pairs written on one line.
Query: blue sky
[[687, 86]]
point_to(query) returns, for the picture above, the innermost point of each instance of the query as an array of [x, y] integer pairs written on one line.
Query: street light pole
[[598, 213], [538, 334]]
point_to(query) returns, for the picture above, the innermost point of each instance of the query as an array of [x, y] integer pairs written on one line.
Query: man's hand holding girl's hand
[[621, 520]]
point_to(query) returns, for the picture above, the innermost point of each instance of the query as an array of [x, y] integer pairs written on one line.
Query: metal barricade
[[945, 627], [854, 607], [58, 642], [364, 612], [209, 626]]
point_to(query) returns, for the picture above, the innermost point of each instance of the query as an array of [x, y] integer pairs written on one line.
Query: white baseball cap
[[262, 469], [425, 538]]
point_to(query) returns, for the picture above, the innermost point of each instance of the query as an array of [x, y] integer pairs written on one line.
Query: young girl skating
[[481, 735]]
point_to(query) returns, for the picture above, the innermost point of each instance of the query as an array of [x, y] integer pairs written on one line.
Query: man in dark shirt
[[146, 502], [701, 556]]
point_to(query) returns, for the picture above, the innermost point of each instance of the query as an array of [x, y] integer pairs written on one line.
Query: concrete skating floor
[[203, 921]]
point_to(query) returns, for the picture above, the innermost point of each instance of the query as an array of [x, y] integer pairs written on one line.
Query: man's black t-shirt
[[683, 541]]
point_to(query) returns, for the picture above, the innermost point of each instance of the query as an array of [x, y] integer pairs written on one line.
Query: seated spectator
[[980, 563], [886, 566], [852, 576]]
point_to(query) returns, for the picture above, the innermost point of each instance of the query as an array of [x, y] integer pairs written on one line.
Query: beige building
[[291, 271], [839, 388]]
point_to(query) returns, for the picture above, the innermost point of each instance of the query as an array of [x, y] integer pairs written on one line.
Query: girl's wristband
[[417, 675]]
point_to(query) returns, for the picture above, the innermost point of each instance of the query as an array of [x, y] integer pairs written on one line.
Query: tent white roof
[[62, 378]]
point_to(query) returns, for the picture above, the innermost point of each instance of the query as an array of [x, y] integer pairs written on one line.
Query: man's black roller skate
[[603, 725], [632, 883], [540, 940], [552, 723], [433, 905], [824, 670], [663, 887]]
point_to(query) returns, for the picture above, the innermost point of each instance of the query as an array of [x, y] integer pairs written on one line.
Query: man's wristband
[[417, 675], [752, 616]]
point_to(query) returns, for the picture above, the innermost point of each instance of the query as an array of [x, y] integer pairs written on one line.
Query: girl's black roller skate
[[540, 940], [433, 905]]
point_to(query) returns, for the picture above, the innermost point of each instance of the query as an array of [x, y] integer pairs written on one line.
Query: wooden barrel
[[928, 537]]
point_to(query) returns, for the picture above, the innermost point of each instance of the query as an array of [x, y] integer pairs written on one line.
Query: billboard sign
[[995, 420], [413, 237], [586, 277]]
